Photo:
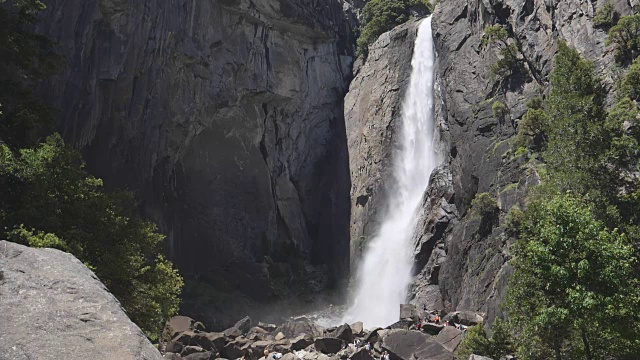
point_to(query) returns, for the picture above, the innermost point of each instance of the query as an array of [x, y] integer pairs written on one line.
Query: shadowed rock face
[[225, 116], [54, 307]]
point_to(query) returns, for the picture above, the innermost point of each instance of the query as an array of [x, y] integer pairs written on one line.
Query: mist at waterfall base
[[386, 270]]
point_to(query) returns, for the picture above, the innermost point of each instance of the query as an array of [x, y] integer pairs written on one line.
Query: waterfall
[[385, 272]]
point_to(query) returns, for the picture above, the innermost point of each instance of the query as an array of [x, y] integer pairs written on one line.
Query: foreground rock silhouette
[[54, 307]]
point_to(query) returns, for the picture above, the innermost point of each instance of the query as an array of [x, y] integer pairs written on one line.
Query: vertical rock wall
[[225, 116], [460, 256]]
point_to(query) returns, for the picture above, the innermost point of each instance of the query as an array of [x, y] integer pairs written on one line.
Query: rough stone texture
[[449, 338], [371, 111], [471, 274], [53, 307], [460, 261], [225, 117], [328, 345]]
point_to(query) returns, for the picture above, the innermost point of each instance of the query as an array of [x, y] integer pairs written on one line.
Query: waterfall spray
[[385, 272]]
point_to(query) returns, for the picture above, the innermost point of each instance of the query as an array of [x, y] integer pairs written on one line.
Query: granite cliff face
[[461, 257], [225, 116]]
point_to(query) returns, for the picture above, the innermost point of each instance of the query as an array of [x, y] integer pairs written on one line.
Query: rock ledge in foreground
[[54, 307]]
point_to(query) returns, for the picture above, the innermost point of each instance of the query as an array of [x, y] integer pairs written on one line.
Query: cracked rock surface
[[54, 307]]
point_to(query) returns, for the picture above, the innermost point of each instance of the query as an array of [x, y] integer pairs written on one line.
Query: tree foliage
[[508, 61], [475, 341], [26, 59], [380, 16], [625, 36], [606, 16], [47, 199], [573, 293], [572, 277]]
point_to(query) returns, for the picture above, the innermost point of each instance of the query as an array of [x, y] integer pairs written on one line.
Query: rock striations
[[225, 117], [461, 257], [54, 307]]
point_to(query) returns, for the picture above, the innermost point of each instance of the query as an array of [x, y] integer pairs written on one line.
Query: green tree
[[606, 16], [48, 199], [380, 16], [25, 59], [630, 84], [508, 61], [476, 341], [625, 36], [572, 278]]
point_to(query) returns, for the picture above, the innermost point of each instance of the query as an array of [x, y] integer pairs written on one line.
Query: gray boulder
[[361, 354], [449, 338], [357, 328], [401, 344], [328, 345], [54, 307], [301, 342], [432, 350], [467, 318], [292, 329], [343, 332], [243, 324]]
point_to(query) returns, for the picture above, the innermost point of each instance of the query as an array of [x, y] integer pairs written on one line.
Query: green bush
[[380, 16], [630, 84], [475, 341], [625, 36], [607, 15], [499, 109], [572, 275], [508, 61], [48, 190]]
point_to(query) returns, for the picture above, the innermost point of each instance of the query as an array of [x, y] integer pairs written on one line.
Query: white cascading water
[[385, 273]]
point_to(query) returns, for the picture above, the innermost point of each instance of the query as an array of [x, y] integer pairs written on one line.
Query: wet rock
[[343, 332], [200, 356], [188, 350], [361, 354], [431, 328], [267, 327], [219, 340], [292, 329], [171, 356], [40, 315], [328, 345], [243, 324], [301, 342], [234, 349], [257, 333]]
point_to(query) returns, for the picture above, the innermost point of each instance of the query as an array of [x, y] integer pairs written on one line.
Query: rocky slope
[[302, 339], [461, 256], [54, 307], [226, 118]]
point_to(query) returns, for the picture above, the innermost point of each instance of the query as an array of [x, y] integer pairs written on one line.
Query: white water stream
[[385, 272]]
